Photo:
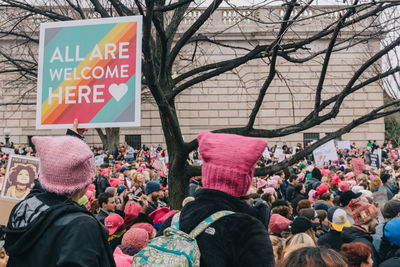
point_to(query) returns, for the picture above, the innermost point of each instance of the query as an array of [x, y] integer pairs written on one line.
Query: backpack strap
[[175, 221], [208, 221]]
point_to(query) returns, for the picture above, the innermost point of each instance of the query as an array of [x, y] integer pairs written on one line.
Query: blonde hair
[[135, 175], [277, 243], [290, 249], [375, 183], [307, 238]]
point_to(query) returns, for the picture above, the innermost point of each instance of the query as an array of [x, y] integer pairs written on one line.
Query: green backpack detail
[[175, 248]]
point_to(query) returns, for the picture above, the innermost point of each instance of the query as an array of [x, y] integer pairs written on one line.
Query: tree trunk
[[178, 182], [110, 140]]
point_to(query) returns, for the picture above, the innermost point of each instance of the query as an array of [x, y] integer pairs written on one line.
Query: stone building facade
[[227, 100]]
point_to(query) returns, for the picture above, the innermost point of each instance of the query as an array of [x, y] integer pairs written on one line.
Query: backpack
[[175, 248]]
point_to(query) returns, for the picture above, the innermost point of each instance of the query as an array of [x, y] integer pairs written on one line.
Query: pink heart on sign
[[118, 91]]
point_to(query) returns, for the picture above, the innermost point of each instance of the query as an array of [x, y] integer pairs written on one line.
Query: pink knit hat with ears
[[228, 161], [67, 164]]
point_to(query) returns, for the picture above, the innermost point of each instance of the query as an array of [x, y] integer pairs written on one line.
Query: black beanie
[[300, 225], [316, 173]]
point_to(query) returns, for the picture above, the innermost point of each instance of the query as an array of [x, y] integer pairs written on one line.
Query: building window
[[134, 140], [309, 138]]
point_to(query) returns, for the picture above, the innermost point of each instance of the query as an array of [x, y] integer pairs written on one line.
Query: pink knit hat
[[272, 183], [68, 173], [136, 237], [146, 226], [278, 223], [325, 172], [228, 161], [261, 183], [269, 190], [301, 177], [349, 175], [344, 186]]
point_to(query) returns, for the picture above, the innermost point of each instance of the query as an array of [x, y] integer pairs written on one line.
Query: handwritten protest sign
[[90, 70], [343, 144], [358, 166], [20, 174], [325, 153]]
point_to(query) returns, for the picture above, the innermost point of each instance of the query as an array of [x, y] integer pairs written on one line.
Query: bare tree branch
[[191, 31]]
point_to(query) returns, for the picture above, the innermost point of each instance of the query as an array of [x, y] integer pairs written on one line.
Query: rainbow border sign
[[90, 70]]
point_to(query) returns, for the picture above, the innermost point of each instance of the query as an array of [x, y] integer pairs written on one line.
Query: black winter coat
[[239, 239], [356, 233], [46, 229], [332, 240]]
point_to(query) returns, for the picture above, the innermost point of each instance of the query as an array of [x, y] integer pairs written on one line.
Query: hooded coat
[[46, 229], [356, 233], [314, 181], [240, 239]]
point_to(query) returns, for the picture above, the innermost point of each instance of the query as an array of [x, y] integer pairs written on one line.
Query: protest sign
[[278, 152], [343, 144], [281, 157], [266, 154], [374, 161], [325, 153], [99, 159], [8, 150], [89, 70], [6, 205], [20, 174], [358, 166]]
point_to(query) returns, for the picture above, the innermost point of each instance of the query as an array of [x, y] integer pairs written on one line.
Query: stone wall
[[227, 100]]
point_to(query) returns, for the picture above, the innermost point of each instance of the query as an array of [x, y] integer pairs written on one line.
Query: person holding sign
[[48, 227]]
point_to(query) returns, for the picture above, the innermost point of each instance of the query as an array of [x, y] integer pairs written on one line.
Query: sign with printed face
[[21, 172], [89, 70], [325, 153]]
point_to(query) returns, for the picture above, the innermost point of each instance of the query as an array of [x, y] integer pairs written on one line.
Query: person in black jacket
[[298, 195], [240, 239], [337, 221], [48, 227], [292, 182], [365, 218], [107, 206], [314, 181]]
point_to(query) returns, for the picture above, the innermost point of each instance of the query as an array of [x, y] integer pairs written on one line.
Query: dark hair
[[336, 201], [303, 204], [282, 210], [322, 214], [279, 202], [325, 196], [267, 198], [356, 253], [314, 257], [94, 206], [292, 178], [297, 190], [103, 198]]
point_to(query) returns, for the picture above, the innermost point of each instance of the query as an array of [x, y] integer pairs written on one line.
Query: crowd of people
[[117, 213]]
